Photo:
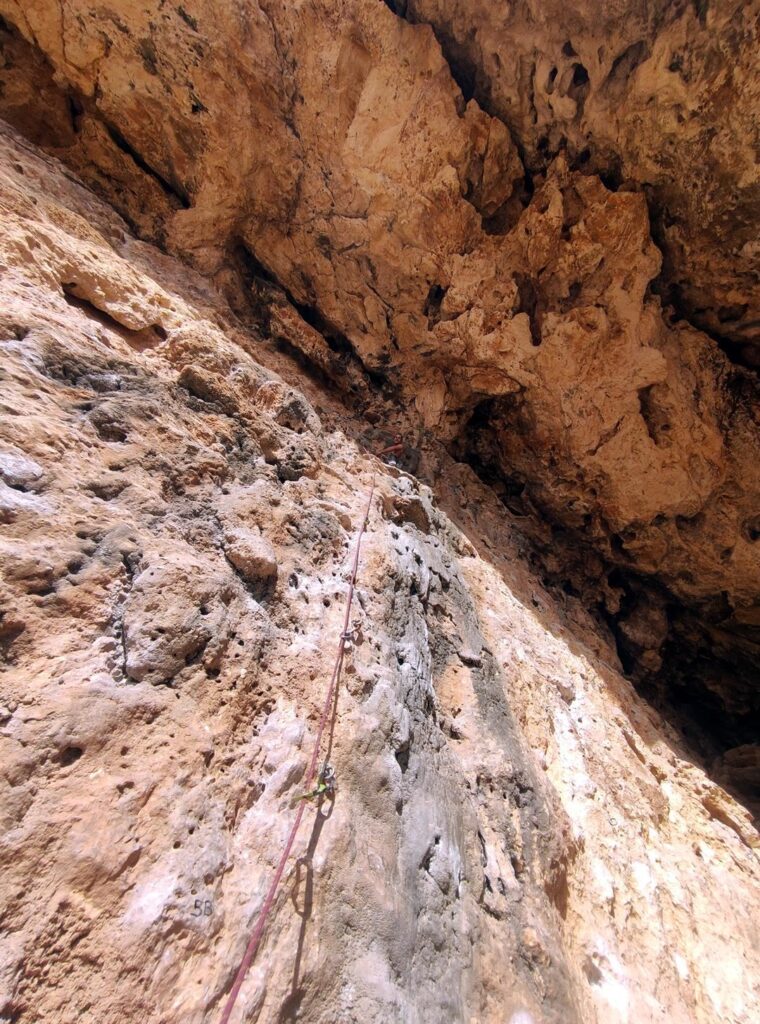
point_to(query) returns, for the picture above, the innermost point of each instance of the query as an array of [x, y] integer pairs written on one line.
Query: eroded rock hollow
[[244, 249]]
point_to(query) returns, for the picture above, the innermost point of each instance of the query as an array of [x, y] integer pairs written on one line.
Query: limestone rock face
[[328, 146], [515, 835], [663, 95], [330, 143], [519, 236]]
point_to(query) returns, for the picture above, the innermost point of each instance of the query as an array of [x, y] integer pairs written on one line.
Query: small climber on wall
[[392, 448]]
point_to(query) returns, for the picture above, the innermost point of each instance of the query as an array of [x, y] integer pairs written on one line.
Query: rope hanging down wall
[[258, 931]]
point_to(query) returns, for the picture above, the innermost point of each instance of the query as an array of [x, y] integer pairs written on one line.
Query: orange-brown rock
[[515, 835], [663, 95], [352, 169], [318, 230]]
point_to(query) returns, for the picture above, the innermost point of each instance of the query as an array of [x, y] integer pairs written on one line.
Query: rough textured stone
[[515, 835], [661, 96], [251, 554], [390, 239], [375, 211]]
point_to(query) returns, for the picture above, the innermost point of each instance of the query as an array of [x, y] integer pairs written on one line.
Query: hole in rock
[[69, 755], [432, 309]]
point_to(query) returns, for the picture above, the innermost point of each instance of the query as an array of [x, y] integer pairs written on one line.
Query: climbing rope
[[258, 931]]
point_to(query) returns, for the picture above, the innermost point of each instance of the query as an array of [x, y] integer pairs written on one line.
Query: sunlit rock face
[[306, 229], [329, 145]]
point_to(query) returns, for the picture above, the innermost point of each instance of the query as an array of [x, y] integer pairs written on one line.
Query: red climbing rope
[[258, 931]]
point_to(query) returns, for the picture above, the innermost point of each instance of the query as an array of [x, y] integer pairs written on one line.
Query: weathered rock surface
[[445, 212], [660, 95], [328, 146], [515, 836]]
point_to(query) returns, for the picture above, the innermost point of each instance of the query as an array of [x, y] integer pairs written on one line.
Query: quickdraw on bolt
[[325, 784]]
